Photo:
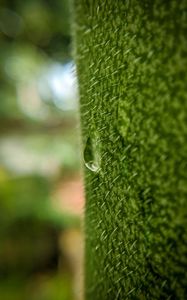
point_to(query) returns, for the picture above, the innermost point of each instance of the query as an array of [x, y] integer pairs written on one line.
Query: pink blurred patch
[[70, 196]]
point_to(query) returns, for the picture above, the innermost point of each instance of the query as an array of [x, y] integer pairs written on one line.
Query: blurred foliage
[[27, 199], [38, 147], [20, 194], [39, 288], [32, 34]]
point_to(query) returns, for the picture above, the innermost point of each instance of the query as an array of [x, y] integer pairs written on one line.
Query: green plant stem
[[131, 61]]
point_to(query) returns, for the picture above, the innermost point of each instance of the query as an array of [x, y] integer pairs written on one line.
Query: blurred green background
[[41, 193]]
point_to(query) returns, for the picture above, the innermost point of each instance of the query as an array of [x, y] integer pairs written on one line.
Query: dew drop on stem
[[91, 155]]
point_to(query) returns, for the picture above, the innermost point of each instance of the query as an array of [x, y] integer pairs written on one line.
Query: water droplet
[[91, 155], [92, 166]]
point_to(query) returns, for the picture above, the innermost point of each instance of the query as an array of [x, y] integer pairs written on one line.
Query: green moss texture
[[131, 61]]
